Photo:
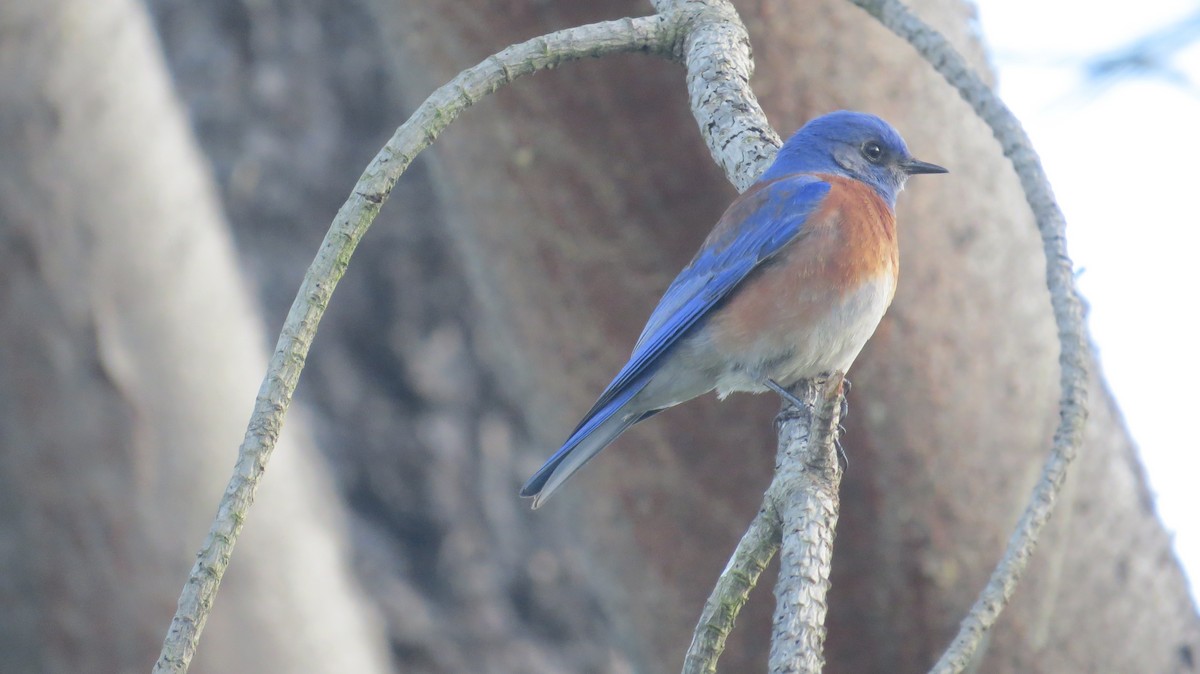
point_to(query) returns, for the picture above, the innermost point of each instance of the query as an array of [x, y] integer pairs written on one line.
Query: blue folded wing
[[754, 228]]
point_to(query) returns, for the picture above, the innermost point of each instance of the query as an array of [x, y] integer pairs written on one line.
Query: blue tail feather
[[595, 433]]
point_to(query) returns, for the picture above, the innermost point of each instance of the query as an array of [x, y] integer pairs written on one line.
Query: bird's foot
[[843, 458]]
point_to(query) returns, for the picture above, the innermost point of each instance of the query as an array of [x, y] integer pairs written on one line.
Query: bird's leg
[[785, 394]]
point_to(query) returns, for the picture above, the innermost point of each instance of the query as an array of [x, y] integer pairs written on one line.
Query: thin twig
[[753, 552], [1068, 314], [355, 216]]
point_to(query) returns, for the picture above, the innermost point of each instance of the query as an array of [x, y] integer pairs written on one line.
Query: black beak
[[914, 166]]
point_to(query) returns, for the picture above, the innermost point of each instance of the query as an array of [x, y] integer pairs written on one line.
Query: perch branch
[[648, 34], [1068, 315], [716, 51], [805, 494], [798, 516]]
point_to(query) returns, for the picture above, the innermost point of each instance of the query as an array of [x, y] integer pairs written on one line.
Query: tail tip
[[537, 497], [534, 492]]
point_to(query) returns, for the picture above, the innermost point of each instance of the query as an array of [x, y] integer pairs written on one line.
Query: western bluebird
[[789, 285]]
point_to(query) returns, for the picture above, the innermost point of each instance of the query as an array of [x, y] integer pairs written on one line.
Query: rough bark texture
[[501, 287], [808, 472]]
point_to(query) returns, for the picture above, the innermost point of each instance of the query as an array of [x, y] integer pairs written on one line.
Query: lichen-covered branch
[[352, 220], [755, 549], [1068, 315]]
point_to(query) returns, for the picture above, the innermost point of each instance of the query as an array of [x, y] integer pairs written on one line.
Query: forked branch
[[798, 516]]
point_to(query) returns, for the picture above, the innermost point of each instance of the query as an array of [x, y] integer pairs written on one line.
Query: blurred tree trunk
[[506, 282], [131, 353]]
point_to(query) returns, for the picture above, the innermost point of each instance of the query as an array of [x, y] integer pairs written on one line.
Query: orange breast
[[848, 242]]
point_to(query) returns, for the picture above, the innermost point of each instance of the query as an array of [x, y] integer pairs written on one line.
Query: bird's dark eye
[[872, 151]]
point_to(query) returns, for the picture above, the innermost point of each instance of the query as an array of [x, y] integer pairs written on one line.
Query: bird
[[790, 285]]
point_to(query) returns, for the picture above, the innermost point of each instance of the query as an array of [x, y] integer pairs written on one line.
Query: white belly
[[830, 344]]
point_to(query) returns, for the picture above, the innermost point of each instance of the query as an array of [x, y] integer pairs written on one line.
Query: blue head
[[852, 144]]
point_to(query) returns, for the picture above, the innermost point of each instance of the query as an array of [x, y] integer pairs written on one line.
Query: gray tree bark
[[132, 347]]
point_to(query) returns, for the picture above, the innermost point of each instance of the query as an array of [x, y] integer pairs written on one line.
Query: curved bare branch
[[716, 50], [351, 222], [1068, 314]]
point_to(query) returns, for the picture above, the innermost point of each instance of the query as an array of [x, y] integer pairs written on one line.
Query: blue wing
[[755, 227]]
